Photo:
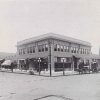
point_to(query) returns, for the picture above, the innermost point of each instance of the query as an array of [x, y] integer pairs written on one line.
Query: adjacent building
[[8, 56]]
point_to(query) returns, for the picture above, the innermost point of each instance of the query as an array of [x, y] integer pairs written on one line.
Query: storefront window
[[68, 60]]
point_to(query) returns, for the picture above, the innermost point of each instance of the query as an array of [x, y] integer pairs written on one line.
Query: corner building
[[55, 51]]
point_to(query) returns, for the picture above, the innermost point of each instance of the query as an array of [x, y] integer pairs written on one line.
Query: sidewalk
[[43, 73]]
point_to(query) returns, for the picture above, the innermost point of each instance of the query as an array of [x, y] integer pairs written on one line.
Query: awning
[[94, 56], [6, 63]]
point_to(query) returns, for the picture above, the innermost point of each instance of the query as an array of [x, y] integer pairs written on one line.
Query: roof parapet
[[53, 35]]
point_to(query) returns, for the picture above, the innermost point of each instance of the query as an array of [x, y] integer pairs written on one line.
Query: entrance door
[[75, 60]]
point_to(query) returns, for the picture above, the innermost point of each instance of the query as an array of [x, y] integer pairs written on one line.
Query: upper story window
[[46, 47], [19, 52], [72, 50], [30, 50], [80, 50], [76, 49], [41, 48], [61, 48], [58, 47], [65, 49], [85, 51], [23, 50], [88, 52], [55, 47], [33, 49]]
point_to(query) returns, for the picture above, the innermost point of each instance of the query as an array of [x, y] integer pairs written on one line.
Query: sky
[[22, 19]]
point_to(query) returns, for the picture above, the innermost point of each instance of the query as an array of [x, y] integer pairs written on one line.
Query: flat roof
[[54, 36]]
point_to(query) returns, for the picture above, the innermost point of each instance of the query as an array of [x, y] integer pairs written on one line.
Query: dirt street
[[29, 87]]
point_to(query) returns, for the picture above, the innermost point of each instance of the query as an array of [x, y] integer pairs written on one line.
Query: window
[[41, 48], [33, 50], [58, 59], [55, 59], [64, 48], [19, 52], [61, 48], [68, 60], [55, 47], [24, 51], [67, 49], [58, 47], [88, 52], [30, 50], [83, 51], [76, 50], [72, 50], [80, 50], [46, 47]]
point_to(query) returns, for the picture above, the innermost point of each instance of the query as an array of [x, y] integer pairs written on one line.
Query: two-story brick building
[[53, 52]]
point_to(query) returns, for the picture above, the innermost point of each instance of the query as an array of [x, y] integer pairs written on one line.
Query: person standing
[[12, 66]]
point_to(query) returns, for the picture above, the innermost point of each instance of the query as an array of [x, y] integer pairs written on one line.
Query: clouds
[[21, 19]]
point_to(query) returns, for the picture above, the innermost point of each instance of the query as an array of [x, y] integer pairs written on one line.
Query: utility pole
[[63, 60], [49, 56]]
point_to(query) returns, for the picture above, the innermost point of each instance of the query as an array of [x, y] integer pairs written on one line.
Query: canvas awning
[[82, 56], [6, 63]]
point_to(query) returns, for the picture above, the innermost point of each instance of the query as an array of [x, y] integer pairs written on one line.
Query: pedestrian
[[12, 66]]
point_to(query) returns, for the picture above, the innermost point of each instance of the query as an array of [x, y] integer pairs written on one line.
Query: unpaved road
[[29, 87]]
